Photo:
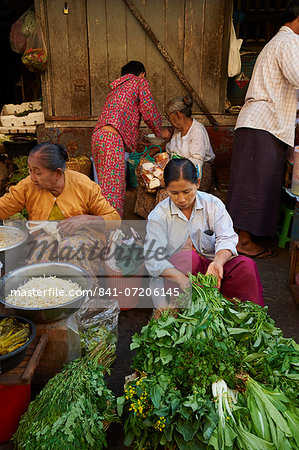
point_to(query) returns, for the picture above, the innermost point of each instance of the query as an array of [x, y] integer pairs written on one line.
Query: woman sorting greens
[[53, 193], [191, 231]]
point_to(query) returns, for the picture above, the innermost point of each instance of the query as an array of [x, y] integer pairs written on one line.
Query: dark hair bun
[[188, 100], [63, 151]]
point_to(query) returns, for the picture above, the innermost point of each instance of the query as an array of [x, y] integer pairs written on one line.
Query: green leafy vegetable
[[74, 408]]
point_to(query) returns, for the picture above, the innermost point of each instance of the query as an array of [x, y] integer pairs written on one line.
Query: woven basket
[[79, 165], [116, 280]]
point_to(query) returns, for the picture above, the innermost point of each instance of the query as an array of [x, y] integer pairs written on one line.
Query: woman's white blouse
[[209, 227], [195, 145]]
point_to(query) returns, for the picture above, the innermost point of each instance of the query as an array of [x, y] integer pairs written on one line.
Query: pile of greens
[[74, 409], [21, 169], [218, 375]]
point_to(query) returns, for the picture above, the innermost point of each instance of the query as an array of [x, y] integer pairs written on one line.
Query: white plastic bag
[[234, 57]]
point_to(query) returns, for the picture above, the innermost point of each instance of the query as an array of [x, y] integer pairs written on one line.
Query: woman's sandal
[[259, 255]]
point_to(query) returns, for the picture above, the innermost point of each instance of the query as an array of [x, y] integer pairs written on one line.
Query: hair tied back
[[188, 100], [63, 151]]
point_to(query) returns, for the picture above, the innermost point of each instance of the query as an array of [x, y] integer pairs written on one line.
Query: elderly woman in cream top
[[190, 139]]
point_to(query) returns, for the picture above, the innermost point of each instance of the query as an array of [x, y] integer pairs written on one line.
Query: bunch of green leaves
[[159, 414], [234, 429], [21, 169], [161, 339], [6, 138], [278, 366], [73, 409], [271, 358], [246, 322], [200, 362], [257, 419], [274, 416], [182, 358], [92, 335]]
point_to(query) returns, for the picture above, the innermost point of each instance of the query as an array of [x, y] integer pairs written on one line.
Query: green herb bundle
[[212, 344], [21, 171], [74, 408]]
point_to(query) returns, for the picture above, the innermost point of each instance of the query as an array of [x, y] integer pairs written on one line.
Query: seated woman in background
[[197, 235], [190, 139], [53, 193]]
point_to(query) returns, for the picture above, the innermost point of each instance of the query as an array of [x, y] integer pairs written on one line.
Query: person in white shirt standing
[[191, 231], [190, 139], [264, 130]]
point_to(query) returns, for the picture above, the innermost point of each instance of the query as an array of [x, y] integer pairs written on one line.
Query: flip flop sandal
[[259, 255]]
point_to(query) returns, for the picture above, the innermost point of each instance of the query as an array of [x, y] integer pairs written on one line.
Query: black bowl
[[12, 359]]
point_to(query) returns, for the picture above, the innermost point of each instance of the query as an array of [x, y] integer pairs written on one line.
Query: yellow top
[[79, 196], [56, 214]]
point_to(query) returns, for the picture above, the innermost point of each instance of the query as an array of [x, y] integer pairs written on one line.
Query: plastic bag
[[95, 321], [35, 56], [125, 252], [28, 24], [234, 58], [17, 39]]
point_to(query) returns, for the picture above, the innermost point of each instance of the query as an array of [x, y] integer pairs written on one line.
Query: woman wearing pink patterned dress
[[118, 126]]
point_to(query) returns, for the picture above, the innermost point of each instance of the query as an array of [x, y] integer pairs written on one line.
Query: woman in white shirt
[[191, 231], [190, 139]]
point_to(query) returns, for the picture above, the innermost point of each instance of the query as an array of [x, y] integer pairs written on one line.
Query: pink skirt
[[240, 275], [109, 158]]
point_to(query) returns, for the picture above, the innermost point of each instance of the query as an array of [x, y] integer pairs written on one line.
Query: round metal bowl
[[12, 359], [66, 271], [13, 231]]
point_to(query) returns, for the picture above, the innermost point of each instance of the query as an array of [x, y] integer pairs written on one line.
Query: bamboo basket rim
[[82, 166]]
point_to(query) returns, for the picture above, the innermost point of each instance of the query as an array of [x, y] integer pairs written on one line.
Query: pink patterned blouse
[[130, 97]]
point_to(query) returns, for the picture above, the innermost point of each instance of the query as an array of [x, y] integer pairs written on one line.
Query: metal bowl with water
[[17, 277]]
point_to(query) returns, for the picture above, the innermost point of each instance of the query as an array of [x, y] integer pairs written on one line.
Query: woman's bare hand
[[216, 269], [71, 225]]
